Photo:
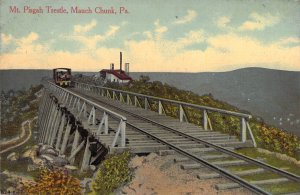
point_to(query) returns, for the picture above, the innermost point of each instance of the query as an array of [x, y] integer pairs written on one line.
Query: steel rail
[[175, 102], [223, 172], [283, 173], [286, 174]]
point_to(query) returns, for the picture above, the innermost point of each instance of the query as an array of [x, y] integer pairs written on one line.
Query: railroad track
[[195, 152]]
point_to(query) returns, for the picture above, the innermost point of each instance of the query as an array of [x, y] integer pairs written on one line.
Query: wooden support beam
[[103, 123], [55, 127], [53, 121], [251, 134], [76, 150], [43, 117], [86, 156], [182, 114], [49, 122], [60, 132], [92, 116], [65, 140], [74, 146]]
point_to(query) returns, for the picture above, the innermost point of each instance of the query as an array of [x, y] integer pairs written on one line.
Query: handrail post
[[180, 113], [146, 103], [78, 105], [243, 129], [66, 99], [92, 116], [70, 103], [114, 95], [105, 123], [82, 110], [123, 133], [205, 119], [75, 102], [160, 108], [121, 97], [63, 94], [128, 99], [135, 101]]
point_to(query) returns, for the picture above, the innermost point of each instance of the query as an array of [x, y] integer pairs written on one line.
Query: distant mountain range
[[272, 94], [21, 79]]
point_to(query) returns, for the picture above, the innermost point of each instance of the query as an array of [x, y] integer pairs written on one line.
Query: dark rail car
[[62, 77]]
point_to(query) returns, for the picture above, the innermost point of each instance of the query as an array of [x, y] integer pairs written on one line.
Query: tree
[[144, 78]]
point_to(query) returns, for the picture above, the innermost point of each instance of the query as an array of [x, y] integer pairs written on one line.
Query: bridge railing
[[87, 110], [136, 98]]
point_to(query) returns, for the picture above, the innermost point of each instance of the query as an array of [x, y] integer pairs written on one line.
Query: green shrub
[[112, 173], [275, 139], [55, 181]]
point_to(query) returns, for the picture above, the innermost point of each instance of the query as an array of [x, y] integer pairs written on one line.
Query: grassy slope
[[267, 136]]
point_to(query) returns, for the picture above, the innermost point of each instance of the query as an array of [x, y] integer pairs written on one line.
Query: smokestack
[[120, 61], [112, 66], [127, 68]]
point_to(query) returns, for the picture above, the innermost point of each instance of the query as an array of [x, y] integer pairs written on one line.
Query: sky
[[154, 36]]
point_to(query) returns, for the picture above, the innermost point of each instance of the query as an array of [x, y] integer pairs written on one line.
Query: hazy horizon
[[254, 67]]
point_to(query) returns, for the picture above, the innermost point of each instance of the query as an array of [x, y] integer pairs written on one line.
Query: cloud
[[111, 31], [190, 38], [6, 39], [289, 41], [90, 41], [159, 30], [243, 51], [223, 21], [148, 34], [29, 39], [222, 52], [29, 53], [78, 29], [191, 15], [259, 22]]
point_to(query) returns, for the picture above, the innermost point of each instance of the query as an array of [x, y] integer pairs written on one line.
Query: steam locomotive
[[62, 77]]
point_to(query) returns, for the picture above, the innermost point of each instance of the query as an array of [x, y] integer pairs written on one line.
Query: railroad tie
[[206, 157], [260, 182], [217, 163], [240, 173]]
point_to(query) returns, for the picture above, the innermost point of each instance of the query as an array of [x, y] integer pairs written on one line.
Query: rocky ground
[[155, 175], [33, 158]]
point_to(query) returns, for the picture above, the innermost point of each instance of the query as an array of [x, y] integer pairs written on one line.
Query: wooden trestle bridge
[[86, 122]]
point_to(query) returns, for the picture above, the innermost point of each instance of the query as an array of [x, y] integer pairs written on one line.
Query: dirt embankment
[[23, 138], [155, 175]]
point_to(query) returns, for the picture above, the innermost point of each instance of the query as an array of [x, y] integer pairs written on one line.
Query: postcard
[[150, 97]]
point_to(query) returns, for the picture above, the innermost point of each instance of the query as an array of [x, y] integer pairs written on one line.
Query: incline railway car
[[62, 77]]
